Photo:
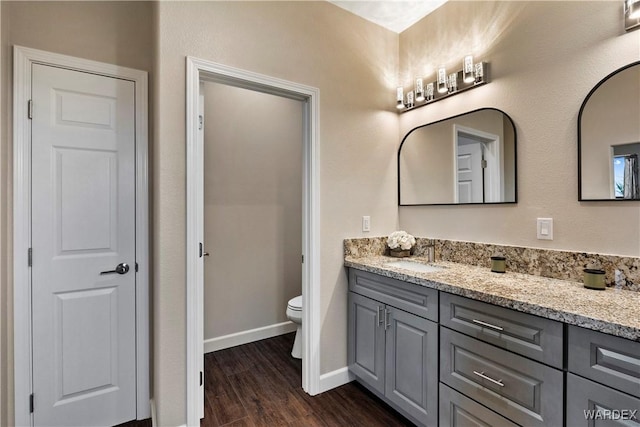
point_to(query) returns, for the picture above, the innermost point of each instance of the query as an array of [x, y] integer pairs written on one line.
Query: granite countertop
[[612, 311]]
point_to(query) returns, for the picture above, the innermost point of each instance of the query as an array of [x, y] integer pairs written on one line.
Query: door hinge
[[31, 403], [200, 122], [136, 267], [484, 163], [200, 251], [303, 259], [30, 257], [30, 109], [201, 378]]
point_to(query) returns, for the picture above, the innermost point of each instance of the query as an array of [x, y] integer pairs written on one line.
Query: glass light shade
[[467, 69], [399, 98], [633, 9], [453, 82], [419, 90], [429, 92], [410, 101], [442, 80], [479, 72]]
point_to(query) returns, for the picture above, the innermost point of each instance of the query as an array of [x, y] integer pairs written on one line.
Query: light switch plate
[[545, 228], [366, 223]]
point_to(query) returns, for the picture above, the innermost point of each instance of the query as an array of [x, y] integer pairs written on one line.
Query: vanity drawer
[[415, 299], [527, 392], [610, 360], [531, 336], [457, 410], [605, 406]]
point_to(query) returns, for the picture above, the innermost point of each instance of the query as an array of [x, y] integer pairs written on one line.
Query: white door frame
[[197, 70], [23, 58], [492, 145]]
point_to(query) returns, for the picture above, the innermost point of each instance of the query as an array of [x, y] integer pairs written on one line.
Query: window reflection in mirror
[[466, 159], [609, 138]]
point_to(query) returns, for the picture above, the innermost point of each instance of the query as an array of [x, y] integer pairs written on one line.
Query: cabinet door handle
[[379, 318], [483, 376], [387, 321], [488, 325]]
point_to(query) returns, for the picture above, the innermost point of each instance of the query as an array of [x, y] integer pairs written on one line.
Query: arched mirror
[[465, 159], [609, 138]]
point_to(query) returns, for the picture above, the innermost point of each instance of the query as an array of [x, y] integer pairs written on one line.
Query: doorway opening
[[478, 166], [199, 71]]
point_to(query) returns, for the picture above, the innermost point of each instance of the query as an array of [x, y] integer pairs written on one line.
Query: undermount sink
[[414, 266]]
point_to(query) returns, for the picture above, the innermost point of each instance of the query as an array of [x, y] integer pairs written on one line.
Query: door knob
[[122, 268]]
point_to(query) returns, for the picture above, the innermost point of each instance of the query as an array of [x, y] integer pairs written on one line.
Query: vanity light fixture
[[631, 15], [471, 75]]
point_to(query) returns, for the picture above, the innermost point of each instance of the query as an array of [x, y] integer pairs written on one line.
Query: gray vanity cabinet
[[394, 352]]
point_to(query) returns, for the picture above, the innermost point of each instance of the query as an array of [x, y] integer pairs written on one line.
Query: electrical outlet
[[366, 223], [545, 228]]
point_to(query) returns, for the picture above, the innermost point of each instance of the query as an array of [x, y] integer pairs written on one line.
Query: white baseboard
[[152, 405], [335, 379], [245, 337]]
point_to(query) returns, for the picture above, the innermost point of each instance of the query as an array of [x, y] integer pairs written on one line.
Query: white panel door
[[469, 173], [83, 223]]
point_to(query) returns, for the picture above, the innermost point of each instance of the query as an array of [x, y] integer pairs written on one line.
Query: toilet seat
[[295, 304]]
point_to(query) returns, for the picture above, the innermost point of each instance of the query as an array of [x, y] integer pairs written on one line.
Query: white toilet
[[294, 313]]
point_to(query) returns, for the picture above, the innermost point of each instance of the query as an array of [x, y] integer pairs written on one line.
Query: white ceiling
[[395, 15]]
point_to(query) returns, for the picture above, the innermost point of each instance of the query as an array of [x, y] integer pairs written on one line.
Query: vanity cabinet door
[[412, 364], [366, 338], [590, 404]]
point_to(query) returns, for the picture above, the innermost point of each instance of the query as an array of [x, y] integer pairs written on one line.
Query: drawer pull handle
[[387, 322], [483, 376], [488, 325]]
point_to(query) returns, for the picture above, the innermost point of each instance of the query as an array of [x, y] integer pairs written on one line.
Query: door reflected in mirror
[[609, 138], [466, 159]]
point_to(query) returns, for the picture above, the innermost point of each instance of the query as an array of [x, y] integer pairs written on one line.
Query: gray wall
[[252, 208]]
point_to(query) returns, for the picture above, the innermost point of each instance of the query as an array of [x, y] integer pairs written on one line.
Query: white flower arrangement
[[401, 240]]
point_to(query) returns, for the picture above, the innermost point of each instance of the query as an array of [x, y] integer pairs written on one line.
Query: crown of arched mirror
[[609, 138], [465, 159]]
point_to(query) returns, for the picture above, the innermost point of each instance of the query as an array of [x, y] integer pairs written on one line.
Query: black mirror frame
[[584, 104], [515, 161]]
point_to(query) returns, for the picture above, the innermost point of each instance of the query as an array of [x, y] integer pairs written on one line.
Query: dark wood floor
[[259, 384]]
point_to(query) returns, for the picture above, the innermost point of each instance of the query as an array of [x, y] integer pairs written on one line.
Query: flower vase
[[399, 253]]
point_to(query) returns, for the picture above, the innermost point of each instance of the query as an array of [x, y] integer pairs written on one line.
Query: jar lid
[[593, 271]]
